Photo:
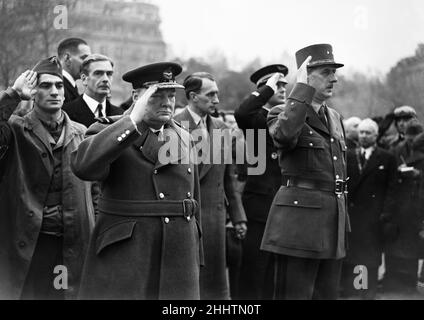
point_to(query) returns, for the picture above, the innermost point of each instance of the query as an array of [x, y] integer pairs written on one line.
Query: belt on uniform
[[154, 208], [337, 186]]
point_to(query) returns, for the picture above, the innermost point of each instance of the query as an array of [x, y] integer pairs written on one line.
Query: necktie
[[99, 111], [363, 159], [321, 116], [205, 137]]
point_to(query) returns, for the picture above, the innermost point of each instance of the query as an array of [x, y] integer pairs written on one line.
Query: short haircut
[[93, 58], [368, 123], [193, 82], [69, 44]]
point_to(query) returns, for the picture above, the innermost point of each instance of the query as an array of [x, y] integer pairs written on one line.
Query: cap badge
[[167, 75]]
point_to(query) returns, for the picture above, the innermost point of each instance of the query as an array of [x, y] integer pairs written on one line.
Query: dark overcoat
[[216, 184], [79, 111], [26, 166], [141, 247], [258, 193], [409, 215], [259, 190], [371, 201], [307, 222]]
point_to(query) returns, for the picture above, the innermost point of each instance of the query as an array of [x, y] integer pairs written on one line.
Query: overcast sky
[[367, 35]]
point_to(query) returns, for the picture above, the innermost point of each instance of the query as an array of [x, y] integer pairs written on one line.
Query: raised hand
[[272, 82], [25, 84], [302, 72], [140, 106]]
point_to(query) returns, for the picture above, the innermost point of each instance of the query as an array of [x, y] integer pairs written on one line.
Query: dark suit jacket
[[303, 222], [371, 200], [216, 184], [79, 111], [260, 189], [71, 93]]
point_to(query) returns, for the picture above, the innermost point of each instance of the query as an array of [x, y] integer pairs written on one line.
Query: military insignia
[[167, 75]]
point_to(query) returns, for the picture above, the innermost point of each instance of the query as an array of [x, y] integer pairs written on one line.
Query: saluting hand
[[302, 72], [25, 84], [139, 111], [272, 82]]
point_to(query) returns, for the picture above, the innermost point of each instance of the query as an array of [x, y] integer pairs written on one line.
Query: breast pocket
[[311, 152], [113, 234]]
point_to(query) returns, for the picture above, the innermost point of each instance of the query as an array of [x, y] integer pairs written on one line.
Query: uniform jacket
[[260, 189], [71, 93], [217, 183], [409, 214], [303, 222], [79, 111], [140, 257], [371, 201], [27, 167]]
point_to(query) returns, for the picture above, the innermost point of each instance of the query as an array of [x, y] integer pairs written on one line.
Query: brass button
[[335, 158], [188, 194], [22, 244], [332, 140], [189, 170], [296, 202], [166, 220], [310, 132], [30, 214], [339, 196], [127, 132], [123, 135], [274, 155], [161, 195], [337, 176], [119, 139], [155, 172], [311, 144]]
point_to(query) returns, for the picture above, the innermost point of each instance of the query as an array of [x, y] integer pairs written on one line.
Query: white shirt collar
[[157, 130], [196, 117], [368, 151], [92, 104], [68, 76]]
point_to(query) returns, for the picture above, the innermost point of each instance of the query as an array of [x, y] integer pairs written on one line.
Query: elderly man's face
[[50, 93], [160, 107], [367, 136], [322, 79]]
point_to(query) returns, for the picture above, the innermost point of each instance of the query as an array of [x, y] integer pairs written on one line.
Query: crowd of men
[[140, 202]]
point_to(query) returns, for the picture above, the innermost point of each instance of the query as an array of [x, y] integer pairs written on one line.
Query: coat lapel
[[371, 164], [313, 120], [35, 125], [84, 113]]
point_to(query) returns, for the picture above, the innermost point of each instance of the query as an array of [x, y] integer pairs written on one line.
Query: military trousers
[[306, 279]]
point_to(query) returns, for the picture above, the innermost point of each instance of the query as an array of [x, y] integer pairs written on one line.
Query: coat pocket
[[115, 233], [297, 220]]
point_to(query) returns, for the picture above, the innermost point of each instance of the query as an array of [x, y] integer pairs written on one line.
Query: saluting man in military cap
[[146, 242], [46, 212], [256, 268], [307, 223]]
